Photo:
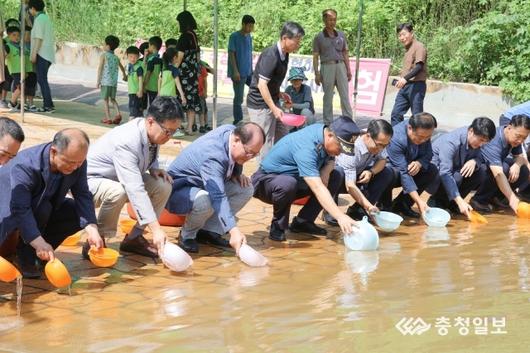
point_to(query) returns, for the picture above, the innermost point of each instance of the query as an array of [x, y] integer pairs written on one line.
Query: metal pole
[[357, 57], [22, 60], [215, 56]]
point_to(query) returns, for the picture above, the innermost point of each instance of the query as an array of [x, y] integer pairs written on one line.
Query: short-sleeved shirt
[[494, 153], [109, 76], [43, 29], [299, 154], [134, 72], [272, 67], [167, 86], [302, 96], [154, 65], [415, 53], [330, 48], [241, 45], [523, 109], [13, 57], [354, 165]]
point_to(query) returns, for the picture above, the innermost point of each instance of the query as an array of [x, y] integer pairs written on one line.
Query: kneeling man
[[209, 186], [301, 164]]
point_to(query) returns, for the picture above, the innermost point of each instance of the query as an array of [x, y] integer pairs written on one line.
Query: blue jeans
[[411, 96], [239, 90], [43, 66]]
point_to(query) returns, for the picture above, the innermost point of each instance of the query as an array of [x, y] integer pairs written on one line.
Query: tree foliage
[[479, 41]]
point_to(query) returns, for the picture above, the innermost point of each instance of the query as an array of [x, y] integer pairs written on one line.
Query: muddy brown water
[[314, 297]]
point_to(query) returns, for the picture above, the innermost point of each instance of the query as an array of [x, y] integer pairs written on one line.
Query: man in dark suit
[[410, 154], [209, 187], [457, 156], [35, 202]]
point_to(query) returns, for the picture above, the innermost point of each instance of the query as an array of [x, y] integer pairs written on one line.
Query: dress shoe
[[480, 207], [138, 245], [207, 237], [405, 210], [329, 219], [189, 245], [277, 234], [30, 271], [298, 226], [356, 212], [500, 203]]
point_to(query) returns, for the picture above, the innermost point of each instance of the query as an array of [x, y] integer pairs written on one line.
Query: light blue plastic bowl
[[388, 221], [436, 217]]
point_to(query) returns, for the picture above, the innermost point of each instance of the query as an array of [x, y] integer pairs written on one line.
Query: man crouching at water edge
[[123, 166], [36, 182], [209, 187], [302, 164]]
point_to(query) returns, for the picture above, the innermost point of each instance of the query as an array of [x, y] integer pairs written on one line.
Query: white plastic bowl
[[388, 221], [175, 258], [364, 238], [436, 217], [251, 257]]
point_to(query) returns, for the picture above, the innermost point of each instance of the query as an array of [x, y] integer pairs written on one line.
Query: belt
[[331, 62]]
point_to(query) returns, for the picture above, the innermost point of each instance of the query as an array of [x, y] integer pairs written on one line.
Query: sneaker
[[14, 107], [207, 127], [179, 133], [3, 104], [46, 110], [194, 127], [202, 130]]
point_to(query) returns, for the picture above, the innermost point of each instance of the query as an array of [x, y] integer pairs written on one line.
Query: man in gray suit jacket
[[209, 187], [123, 166]]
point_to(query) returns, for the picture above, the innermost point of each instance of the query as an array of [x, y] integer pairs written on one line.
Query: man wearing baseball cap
[[302, 164]]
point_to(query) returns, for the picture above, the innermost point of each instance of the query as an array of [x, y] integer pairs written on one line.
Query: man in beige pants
[[123, 166], [331, 47]]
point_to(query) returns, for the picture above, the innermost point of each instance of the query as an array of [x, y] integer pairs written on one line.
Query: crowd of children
[[148, 75]]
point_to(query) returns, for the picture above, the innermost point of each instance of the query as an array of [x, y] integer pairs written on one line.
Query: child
[[203, 94], [5, 86], [169, 81], [171, 43], [12, 49], [30, 83], [300, 94], [108, 78], [134, 82], [153, 68]]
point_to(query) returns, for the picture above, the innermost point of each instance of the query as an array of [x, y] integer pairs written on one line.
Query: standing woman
[[188, 63]]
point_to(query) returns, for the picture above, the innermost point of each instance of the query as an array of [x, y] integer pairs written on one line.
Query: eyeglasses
[[379, 144], [165, 130], [248, 152], [5, 153]]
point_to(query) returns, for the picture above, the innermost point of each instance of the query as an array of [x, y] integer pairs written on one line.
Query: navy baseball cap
[[347, 132]]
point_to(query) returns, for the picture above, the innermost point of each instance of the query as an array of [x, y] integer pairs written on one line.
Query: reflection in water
[[315, 298], [361, 261]]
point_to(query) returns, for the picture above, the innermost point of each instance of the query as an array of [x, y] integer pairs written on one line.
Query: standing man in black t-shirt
[[263, 99]]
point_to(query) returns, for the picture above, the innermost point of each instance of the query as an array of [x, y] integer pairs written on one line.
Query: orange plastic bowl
[[166, 218], [57, 273], [126, 225], [8, 272], [477, 218], [72, 240], [523, 210], [301, 201], [104, 257]]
